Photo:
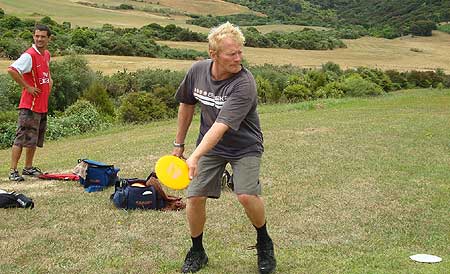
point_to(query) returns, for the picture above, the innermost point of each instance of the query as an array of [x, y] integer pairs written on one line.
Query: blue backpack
[[98, 175], [135, 194]]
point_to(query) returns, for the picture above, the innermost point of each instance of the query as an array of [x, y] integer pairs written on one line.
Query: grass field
[[83, 15], [370, 52], [403, 54], [351, 186], [380, 53]]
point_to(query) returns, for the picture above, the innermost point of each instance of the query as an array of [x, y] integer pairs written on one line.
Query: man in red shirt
[[32, 72]]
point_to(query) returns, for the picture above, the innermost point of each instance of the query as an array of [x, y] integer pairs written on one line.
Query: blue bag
[[134, 194], [98, 175]]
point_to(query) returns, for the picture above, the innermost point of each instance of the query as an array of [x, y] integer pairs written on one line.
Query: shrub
[[97, 95], [355, 86], [8, 116], [7, 134], [376, 76], [58, 127], [167, 95], [416, 50], [147, 80], [120, 83], [79, 118], [446, 81], [125, 7], [10, 93], [424, 79], [142, 107], [422, 27], [332, 68], [83, 115], [266, 92], [277, 76], [12, 48], [314, 79], [297, 93], [444, 27], [71, 77], [81, 37], [398, 79], [331, 90]]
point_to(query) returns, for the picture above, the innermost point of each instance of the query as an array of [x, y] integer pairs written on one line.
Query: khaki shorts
[[207, 183], [31, 127]]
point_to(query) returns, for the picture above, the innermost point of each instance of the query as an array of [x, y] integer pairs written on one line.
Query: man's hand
[[33, 90], [178, 151], [192, 163], [208, 142]]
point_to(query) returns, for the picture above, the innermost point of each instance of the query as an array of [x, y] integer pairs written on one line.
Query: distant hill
[[398, 14], [380, 12], [386, 18], [123, 13]]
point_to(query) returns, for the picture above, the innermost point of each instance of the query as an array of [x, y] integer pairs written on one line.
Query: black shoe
[[15, 176], [32, 171], [194, 261], [266, 257]]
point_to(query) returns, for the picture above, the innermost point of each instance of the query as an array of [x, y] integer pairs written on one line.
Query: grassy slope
[[368, 51], [429, 53], [82, 15], [351, 186], [371, 52]]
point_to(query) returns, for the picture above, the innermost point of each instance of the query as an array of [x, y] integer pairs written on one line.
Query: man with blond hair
[[230, 132]]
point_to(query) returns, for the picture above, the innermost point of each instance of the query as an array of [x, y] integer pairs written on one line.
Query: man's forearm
[[210, 140], [185, 114], [17, 77]]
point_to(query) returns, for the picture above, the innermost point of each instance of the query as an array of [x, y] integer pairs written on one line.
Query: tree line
[[16, 36]]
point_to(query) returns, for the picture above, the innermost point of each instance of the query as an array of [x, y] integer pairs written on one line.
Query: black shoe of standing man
[[194, 261], [266, 257]]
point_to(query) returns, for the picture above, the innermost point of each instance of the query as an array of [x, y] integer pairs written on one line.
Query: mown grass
[[351, 186], [370, 52], [79, 14]]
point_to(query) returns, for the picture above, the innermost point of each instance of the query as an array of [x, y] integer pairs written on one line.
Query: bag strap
[[153, 181], [171, 202], [93, 163]]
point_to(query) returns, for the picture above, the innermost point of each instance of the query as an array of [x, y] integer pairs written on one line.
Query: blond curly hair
[[226, 30]]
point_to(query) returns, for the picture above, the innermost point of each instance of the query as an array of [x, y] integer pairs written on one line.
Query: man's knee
[[247, 199], [196, 201]]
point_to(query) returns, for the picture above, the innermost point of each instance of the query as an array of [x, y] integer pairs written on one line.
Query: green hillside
[[119, 13], [386, 18], [387, 12]]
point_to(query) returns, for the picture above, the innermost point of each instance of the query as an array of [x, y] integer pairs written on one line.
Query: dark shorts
[[31, 127], [208, 182]]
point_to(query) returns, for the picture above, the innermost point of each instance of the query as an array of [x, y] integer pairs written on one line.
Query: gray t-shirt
[[232, 101]]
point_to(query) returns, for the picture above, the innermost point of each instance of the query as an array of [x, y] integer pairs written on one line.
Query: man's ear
[[212, 54]]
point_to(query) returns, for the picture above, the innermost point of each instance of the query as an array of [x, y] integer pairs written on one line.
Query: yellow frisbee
[[173, 172]]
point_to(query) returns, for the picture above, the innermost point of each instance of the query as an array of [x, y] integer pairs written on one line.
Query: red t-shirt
[[39, 77]]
